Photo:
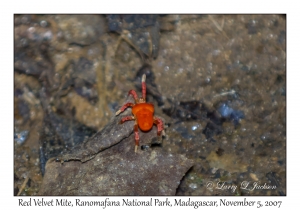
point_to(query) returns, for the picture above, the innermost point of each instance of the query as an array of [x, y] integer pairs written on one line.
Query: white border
[[154, 6]]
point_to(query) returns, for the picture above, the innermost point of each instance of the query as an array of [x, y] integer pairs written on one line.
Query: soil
[[218, 81]]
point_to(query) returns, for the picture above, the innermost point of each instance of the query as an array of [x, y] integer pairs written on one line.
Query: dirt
[[218, 81]]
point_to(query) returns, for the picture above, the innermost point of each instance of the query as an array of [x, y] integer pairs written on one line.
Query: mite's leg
[[144, 86], [136, 136], [124, 107], [127, 118], [133, 93], [160, 126]]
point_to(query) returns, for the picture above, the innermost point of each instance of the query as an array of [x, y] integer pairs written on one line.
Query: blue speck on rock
[[229, 113]]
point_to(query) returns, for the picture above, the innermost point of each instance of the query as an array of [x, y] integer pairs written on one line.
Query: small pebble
[[254, 177], [193, 186]]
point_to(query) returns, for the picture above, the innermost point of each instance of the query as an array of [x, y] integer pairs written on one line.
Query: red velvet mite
[[143, 114]]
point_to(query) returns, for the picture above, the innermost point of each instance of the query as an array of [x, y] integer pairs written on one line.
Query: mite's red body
[[143, 114]]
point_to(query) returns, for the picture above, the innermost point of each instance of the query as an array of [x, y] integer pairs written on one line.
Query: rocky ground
[[218, 81]]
